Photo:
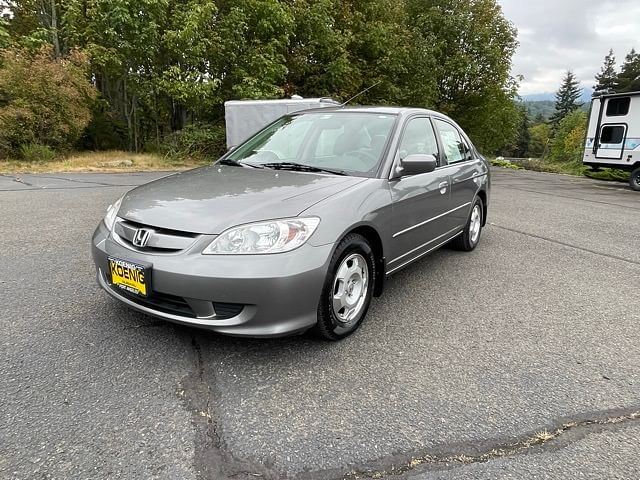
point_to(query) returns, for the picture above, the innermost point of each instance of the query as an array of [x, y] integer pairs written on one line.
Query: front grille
[[161, 240]]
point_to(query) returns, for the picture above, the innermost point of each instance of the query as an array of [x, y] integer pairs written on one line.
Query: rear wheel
[[634, 181], [470, 236], [348, 288]]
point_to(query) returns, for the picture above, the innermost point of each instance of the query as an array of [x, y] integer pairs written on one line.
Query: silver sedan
[[299, 227]]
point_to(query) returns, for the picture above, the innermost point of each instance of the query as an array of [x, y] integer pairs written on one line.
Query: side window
[[617, 107], [455, 148], [418, 138]]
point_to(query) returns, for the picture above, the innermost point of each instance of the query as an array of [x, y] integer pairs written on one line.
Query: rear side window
[[455, 149], [617, 107], [612, 134]]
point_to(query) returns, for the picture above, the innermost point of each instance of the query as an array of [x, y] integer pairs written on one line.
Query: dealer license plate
[[130, 276]]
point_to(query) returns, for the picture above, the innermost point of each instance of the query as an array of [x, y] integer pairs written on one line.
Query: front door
[[420, 202], [611, 141]]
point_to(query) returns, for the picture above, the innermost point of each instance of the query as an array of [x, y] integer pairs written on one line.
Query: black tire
[[465, 242], [634, 181], [329, 326]]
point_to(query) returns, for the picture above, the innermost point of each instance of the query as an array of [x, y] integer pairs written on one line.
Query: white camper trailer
[[243, 118], [613, 136]]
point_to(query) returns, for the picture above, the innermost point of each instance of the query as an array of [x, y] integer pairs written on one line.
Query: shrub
[[196, 140], [36, 153], [501, 162], [43, 100], [540, 137], [568, 140]]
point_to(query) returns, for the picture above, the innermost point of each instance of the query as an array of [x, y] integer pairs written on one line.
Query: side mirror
[[416, 164]]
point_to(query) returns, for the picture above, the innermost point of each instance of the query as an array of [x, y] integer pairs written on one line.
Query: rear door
[[611, 141], [464, 169], [420, 202]]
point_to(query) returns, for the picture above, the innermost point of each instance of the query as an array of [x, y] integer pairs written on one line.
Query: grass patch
[[609, 174], [110, 161], [564, 168]]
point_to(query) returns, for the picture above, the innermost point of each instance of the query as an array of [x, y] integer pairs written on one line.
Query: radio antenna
[[361, 93]]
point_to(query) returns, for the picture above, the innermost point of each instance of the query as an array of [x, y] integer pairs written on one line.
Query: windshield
[[335, 141]]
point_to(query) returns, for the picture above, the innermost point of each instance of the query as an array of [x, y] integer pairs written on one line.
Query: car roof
[[383, 110]]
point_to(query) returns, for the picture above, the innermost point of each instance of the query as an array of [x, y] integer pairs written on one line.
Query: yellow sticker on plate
[[129, 276]]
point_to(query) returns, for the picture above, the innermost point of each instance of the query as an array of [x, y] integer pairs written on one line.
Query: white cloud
[[558, 35]]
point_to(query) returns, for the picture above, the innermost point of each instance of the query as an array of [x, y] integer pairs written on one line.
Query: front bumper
[[275, 294]]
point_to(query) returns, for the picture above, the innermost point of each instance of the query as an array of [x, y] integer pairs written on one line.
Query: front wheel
[[348, 289], [634, 181], [470, 236]]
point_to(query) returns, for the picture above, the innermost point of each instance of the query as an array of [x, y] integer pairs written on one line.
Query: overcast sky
[[557, 35]]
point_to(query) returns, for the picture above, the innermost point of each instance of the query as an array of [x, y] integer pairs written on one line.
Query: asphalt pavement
[[518, 360]]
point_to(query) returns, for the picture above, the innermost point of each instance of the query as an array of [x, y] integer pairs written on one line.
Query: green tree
[[163, 65], [567, 98], [36, 23], [254, 37], [318, 59], [151, 60], [472, 44], [607, 79], [629, 77]]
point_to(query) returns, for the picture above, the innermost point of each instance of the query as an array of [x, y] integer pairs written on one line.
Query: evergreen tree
[[606, 80], [629, 77], [567, 97]]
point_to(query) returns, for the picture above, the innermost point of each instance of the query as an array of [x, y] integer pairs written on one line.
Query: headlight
[[274, 236], [112, 211]]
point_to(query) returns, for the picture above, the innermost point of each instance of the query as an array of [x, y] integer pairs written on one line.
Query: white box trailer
[[613, 134], [243, 118]]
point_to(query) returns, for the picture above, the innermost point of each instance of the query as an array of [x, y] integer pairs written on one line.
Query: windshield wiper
[[228, 161], [300, 167], [234, 163]]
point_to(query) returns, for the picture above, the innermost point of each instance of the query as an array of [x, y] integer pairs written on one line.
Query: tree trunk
[[54, 29]]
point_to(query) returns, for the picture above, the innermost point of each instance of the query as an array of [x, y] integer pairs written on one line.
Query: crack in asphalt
[[211, 459], [73, 180], [548, 194], [540, 440], [565, 244], [196, 393], [16, 179]]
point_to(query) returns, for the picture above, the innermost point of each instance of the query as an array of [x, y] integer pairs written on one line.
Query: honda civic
[[298, 227]]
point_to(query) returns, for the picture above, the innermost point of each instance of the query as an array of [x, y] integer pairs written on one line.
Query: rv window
[[612, 134], [617, 107]]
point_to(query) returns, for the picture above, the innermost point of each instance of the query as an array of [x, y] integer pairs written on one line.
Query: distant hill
[[544, 103], [540, 107], [551, 96]]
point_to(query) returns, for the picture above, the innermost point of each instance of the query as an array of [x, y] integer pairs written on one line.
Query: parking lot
[[518, 360]]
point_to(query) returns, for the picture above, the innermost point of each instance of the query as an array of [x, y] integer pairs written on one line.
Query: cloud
[[560, 35]]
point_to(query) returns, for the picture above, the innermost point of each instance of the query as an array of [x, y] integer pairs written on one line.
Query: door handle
[[443, 187]]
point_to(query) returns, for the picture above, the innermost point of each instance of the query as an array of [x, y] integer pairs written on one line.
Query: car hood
[[214, 198]]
